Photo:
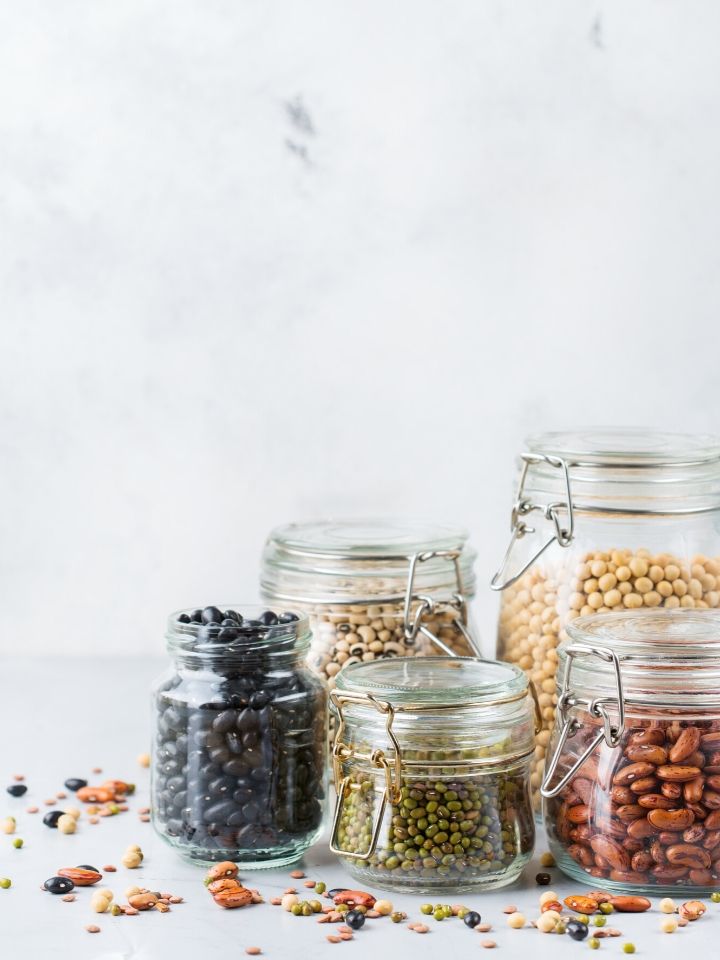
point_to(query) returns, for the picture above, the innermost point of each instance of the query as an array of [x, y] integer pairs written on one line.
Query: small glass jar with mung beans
[[604, 521], [374, 589], [239, 766], [431, 760], [632, 783]]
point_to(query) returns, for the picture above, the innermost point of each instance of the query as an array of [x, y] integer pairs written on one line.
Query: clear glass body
[[350, 579], [647, 555], [239, 755], [642, 816], [462, 819]]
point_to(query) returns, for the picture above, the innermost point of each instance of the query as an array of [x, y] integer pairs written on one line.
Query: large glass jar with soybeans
[[431, 761], [604, 521], [373, 589]]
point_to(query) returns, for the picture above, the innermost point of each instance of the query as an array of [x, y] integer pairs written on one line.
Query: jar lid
[[663, 654], [627, 470], [346, 560], [628, 446], [409, 682]]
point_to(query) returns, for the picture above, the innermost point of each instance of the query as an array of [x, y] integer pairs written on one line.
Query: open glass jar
[[632, 784], [431, 759], [240, 750], [374, 589], [604, 521]]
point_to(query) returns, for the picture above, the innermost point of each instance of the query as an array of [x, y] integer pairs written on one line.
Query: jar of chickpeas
[[603, 521], [374, 589]]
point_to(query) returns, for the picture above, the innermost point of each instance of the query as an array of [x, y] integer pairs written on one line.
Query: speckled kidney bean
[[646, 813]]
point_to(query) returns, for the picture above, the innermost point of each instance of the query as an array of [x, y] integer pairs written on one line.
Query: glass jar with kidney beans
[[239, 757], [632, 784]]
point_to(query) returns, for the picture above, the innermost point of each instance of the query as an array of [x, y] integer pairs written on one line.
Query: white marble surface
[[262, 261], [61, 719]]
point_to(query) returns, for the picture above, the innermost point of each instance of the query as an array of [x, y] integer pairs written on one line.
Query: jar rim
[[276, 639], [409, 682]]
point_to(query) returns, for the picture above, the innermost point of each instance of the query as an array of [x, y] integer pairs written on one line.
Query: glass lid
[[406, 681], [627, 446], [668, 655], [371, 539], [346, 559]]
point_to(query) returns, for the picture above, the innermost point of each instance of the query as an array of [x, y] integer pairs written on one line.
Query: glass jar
[[431, 759], [632, 784], [240, 750], [624, 519], [373, 589]]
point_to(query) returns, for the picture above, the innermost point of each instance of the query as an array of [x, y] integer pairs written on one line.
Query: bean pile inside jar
[[352, 578], [633, 782], [632, 526]]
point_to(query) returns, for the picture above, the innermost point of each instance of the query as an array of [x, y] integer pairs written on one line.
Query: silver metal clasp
[[413, 622], [550, 511], [597, 707]]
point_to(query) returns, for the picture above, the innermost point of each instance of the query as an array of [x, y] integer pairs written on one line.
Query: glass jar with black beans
[[239, 756], [432, 770]]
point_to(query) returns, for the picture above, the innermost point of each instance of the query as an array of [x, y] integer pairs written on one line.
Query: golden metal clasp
[[342, 752]]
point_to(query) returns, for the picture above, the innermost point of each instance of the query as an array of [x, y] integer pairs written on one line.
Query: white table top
[[62, 718]]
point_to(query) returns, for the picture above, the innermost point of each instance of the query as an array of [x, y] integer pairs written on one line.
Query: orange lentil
[[109, 868], [19, 777], [50, 802], [309, 884], [488, 944], [253, 951], [97, 770], [297, 874], [331, 938], [91, 928], [32, 809], [93, 820], [145, 819], [61, 795]]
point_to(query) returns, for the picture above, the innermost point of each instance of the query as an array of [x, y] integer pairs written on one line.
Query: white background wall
[[262, 261]]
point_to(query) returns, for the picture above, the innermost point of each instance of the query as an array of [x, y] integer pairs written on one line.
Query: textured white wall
[[263, 261]]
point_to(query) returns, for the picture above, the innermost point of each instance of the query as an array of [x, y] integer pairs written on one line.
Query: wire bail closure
[[341, 752], [413, 623], [597, 707], [550, 511]]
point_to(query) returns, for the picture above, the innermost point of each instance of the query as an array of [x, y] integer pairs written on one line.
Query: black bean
[[51, 819], [17, 789], [211, 615], [196, 616], [288, 617], [59, 885], [184, 618]]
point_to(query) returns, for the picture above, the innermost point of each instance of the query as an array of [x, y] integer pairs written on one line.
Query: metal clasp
[[550, 511], [342, 751], [597, 707], [413, 623]]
